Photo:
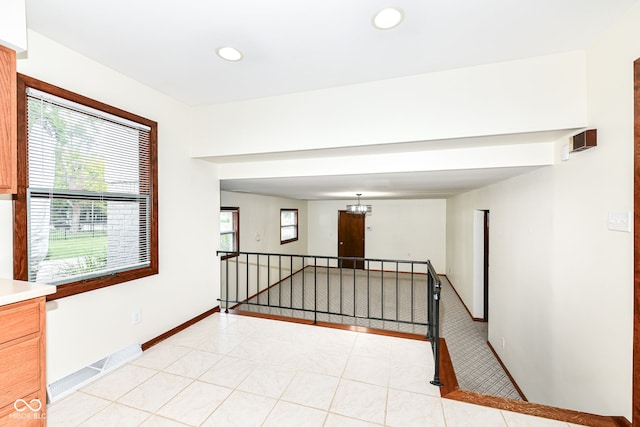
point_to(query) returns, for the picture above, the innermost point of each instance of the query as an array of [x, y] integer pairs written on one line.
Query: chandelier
[[359, 209]]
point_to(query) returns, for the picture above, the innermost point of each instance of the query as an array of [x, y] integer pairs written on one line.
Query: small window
[[229, 229], [288, 225]]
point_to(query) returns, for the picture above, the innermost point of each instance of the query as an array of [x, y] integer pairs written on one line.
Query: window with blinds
[[90, 190]]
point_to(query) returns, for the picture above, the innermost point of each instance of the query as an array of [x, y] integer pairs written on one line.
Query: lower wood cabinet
[[23, 400]]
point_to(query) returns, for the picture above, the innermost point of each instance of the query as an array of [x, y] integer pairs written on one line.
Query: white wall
[[460, 242], [528, 95], [260, 232], [561, 283], [477, 309], [84, 328], [13, 25], [399, 229], [498, 156], [260, 217], [588, 187]]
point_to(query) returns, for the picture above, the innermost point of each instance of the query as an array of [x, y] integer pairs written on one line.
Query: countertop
[[17, 290]]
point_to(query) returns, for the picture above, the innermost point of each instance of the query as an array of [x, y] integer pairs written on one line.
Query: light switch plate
[[620, 221]]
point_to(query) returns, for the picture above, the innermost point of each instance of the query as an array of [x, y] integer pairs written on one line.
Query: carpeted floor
[[477, 369], [387, 300], [382, 299]]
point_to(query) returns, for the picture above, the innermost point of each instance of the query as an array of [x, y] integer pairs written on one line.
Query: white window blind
[[88, 192]]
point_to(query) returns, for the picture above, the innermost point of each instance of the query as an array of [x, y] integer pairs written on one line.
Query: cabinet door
[[20, 375], [8, 119], [22, 363]]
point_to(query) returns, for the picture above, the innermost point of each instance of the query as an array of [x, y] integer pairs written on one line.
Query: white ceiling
[[402, 185], [296, 45], [293, 45]]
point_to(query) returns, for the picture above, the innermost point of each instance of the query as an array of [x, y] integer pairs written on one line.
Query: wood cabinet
[[23, 400], [8, 120]]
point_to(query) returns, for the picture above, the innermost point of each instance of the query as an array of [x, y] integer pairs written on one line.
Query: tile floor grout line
[[350, 338]]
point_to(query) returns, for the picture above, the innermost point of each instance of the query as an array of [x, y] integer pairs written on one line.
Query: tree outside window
[[87, 192]]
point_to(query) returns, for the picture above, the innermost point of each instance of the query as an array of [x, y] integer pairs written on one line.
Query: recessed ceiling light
[[229, 53], [388, 18]]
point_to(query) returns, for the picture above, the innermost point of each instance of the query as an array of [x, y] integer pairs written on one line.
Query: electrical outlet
[[620, 221], [136, 317]]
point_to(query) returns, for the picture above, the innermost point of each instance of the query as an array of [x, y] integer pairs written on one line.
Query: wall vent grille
[[72, 382]]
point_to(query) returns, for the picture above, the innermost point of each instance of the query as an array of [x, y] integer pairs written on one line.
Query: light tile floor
[[230, 370], [477, 368]]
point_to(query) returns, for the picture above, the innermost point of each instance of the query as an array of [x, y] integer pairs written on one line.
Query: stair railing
[[408, 291]]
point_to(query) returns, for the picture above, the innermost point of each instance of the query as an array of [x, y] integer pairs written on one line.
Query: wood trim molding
[[20, 246], [8, 128], [475, 319], [447, 372], [451, 390], [353, 328], [506, 371], [636, 244], [179, 328]]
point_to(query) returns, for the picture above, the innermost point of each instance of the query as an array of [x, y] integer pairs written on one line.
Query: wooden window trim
[[636, 247], [20, 246], [282, 242], [236, 209]]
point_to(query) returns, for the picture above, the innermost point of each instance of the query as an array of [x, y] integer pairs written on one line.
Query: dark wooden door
[[351, 238]]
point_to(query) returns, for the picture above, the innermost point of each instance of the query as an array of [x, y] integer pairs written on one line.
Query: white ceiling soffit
[[403, 185], [292, 46], [418, 170], [401, 147]]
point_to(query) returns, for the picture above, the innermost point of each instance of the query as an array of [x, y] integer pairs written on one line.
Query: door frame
[[350, 264], [486, 266], [480, 308], [636, 245]]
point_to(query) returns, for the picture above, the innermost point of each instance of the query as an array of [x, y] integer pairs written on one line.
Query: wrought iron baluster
[[382, 290], [368, 290], [226, 297], [397, 289], [279, 279], [354, 290], [341, 289], [246, 296], [412, 297], [237, 276], [328, 287]]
